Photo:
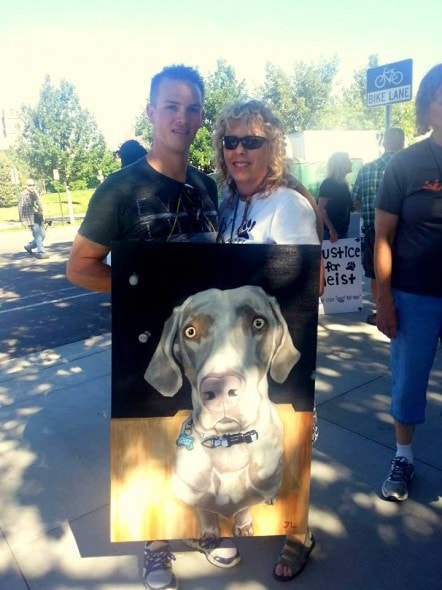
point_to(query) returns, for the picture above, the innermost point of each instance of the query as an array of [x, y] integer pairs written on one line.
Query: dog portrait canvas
[[213, 359]]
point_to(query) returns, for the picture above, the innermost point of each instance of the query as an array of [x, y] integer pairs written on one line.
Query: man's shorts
[[412, 354], [368, 253]]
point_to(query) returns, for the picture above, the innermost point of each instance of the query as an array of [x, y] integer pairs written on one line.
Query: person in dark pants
[[364, 192]]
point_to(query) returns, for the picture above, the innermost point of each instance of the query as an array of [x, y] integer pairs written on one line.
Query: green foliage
[[8, 191], [350, 111], [55, 205], [302, 98], [403, 115], [222, 88], [59, 134]]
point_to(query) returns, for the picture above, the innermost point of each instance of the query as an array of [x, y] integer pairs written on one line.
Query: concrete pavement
[[54, 478]]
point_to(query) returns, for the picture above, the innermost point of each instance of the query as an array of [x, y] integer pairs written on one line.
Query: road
[[39, 308]]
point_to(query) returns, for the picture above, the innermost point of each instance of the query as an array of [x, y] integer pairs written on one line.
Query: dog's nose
[[220, 391]]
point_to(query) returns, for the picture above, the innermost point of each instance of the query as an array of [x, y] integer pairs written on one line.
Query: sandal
[[294, 555]]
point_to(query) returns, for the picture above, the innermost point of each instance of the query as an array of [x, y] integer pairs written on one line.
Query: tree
[[351, 112], [277, 91], [9, 191], [222, 89], [59, 134], [301, 99]]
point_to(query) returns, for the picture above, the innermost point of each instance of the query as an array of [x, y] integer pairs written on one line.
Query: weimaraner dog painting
[[229, 452]]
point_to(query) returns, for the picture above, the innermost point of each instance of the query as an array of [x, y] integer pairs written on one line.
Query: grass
[[54, 205]]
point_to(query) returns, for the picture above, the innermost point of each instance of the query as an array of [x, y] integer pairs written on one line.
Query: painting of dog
[[229, 453]]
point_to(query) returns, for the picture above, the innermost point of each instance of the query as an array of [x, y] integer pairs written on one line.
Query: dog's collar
[[225, 441], [228, 440]]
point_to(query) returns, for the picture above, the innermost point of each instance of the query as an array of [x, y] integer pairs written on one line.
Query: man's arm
[[85, 266], [385, 232]]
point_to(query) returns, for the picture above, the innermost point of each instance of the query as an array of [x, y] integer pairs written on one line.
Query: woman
[[408, 254], [335, 202], [262, 206]]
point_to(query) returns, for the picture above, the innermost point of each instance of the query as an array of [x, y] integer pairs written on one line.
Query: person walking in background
[[364, 192], [129, 152], [263, 205], [408, 254], [334, 201], [30, 214], [177, 203]]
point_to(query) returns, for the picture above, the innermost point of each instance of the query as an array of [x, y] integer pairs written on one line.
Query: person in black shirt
[[335, 202], [408, 254], [155, 198], [129, 152]]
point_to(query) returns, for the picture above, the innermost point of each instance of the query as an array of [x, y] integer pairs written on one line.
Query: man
[[364, 191], [159, 197], [30, 213]]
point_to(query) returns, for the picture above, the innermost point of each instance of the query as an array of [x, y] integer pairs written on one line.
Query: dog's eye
[[190, 332], [259, 323]]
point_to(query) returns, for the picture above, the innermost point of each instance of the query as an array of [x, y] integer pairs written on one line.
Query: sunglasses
[[31, 184], [249, 142]]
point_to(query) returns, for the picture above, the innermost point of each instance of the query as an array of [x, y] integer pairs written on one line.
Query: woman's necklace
[[247, 200]]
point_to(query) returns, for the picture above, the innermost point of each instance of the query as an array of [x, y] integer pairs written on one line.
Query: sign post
[[389, 84], [57, 178]]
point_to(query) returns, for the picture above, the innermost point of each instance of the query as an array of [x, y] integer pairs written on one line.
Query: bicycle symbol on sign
[[389, 75]]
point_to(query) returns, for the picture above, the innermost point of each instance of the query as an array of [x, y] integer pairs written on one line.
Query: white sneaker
[[220, 552]]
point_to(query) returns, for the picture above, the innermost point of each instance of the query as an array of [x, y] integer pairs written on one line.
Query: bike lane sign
[[389, 83]]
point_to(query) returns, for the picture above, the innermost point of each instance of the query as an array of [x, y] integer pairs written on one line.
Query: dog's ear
[[286, 355], [163, 371]]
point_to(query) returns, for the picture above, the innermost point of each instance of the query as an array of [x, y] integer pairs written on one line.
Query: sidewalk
[[54, 479]]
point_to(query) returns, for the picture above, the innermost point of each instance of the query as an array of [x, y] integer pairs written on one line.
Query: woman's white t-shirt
[[283, 217]]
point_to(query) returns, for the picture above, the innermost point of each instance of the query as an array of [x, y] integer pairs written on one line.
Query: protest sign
[[343, 275]]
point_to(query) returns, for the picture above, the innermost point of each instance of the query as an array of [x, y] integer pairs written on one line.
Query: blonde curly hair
[[254, 112]]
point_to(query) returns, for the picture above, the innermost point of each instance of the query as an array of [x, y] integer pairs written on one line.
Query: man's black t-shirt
[[137, 202]]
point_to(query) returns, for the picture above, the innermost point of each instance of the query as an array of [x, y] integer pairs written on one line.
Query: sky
[[109, 50]]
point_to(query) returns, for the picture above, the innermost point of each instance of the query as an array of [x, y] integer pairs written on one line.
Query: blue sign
[[389, 83]]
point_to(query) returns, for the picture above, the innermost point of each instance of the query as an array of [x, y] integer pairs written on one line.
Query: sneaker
[[157, 567], [42, 255], [28, 249], [395, 487], [220, 552]]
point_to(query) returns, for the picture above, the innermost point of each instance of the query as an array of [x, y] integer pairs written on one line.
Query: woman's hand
[[386, 318], [334, 237]]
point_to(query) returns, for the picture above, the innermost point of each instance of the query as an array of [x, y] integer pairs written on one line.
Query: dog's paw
[[271, 501]]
